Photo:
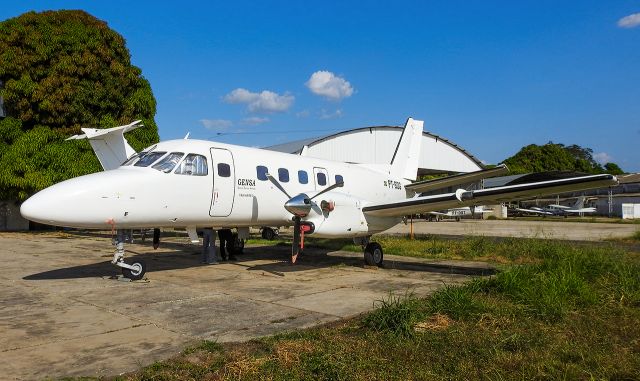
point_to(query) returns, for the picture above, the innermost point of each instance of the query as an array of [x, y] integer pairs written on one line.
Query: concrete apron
[[62, 315]]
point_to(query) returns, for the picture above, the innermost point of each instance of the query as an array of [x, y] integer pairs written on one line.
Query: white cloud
[[631, 21], [327, 84], [254, 120], [331, 115], [265, 101], [216, 124], [602, 158]]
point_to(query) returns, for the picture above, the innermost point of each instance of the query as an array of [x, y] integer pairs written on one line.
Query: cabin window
[[283, 175], [224, 170], [193, 165], [149, 158], [322, 179], [261, 172], [339, 179], [303, 178], [169, 162]]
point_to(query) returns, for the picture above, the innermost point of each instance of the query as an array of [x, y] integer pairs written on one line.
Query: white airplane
[[195, 184], [535, 210], [576, 208], [560, 210], [458, 213]]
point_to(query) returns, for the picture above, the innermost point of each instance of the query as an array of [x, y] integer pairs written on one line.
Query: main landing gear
[[133, 271], [373, 255]]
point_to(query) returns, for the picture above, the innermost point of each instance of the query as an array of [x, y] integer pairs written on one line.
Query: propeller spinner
[[299, 206]]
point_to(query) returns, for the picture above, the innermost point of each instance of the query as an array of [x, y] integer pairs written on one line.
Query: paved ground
[[62, 315], [574, 231]]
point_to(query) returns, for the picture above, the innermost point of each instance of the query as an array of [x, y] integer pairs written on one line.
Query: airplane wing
[[534, 211], [462, 178], [496, 195]]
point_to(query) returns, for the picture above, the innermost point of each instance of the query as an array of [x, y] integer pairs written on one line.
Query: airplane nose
[[37, 208]]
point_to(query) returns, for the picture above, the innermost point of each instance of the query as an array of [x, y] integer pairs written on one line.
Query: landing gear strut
[[133, 271], [299, 230]]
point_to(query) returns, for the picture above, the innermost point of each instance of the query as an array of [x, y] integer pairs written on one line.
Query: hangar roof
[[377, 144]]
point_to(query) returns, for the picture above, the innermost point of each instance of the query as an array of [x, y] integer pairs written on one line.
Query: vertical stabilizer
[[109, 144], [579, 204], [405, 159]]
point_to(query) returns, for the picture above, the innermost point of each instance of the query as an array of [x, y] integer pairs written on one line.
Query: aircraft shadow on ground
[[185, 257]]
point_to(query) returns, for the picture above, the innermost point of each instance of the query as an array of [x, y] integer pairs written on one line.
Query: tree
[[555, 157], [62, 70], [613, 169]]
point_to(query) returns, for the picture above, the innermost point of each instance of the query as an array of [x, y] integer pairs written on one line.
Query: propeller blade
[[277, 184], [334, 186]]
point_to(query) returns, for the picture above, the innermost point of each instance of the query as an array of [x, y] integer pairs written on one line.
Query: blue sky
[[490, 75]]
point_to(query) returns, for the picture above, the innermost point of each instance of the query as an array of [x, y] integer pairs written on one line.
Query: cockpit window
[[169, 162], [194, 165], [149, 158], [133, 159]]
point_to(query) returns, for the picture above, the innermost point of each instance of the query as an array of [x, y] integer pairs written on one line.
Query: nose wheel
[[133, 271]]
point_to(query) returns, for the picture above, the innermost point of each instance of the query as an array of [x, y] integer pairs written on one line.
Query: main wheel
[[373, 255], [140, 268], [268, 233]]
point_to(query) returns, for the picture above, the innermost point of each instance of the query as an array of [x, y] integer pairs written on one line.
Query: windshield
[[133, 159], [167, 164], [149, 158]]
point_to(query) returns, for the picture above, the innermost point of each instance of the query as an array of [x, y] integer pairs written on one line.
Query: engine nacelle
[[340, 215]]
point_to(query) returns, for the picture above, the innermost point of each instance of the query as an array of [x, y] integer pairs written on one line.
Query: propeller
[[299, 206]]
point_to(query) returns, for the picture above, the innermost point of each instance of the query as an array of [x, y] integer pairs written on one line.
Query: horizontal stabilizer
[[496, 195], [109, 144], [462, 178]]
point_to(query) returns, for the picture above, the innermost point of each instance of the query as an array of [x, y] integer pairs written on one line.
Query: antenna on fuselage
[[187, 135]]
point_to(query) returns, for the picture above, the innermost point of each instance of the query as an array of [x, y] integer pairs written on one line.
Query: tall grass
[[554, 279]]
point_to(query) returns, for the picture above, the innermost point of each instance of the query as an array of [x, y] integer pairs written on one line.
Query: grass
[[555, 311]]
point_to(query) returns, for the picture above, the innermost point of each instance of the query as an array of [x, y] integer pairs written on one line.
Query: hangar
[[376, 145]]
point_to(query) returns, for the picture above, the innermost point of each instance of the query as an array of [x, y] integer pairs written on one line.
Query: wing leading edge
[[497, 195], [462, 178]]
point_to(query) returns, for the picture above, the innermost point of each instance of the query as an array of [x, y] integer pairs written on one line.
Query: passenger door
[[224, 182]]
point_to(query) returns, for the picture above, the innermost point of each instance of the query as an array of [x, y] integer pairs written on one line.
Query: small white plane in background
[[576, 208], [458, 213], [560, 210], [195, 184]]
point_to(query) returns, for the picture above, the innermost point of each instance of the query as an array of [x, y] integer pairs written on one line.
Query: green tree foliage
[[613, 169], [556, 157], [62, 70]]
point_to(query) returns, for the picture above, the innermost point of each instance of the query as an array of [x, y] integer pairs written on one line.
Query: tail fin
[[109, 144], [405, 159], [579, 204]]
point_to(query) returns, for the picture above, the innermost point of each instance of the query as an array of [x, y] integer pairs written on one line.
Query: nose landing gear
[[133, 271]]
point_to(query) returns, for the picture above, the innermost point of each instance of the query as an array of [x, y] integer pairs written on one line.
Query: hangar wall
[[376, 145]]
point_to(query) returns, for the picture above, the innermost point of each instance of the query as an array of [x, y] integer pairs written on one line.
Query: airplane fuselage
[[195, 183]]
